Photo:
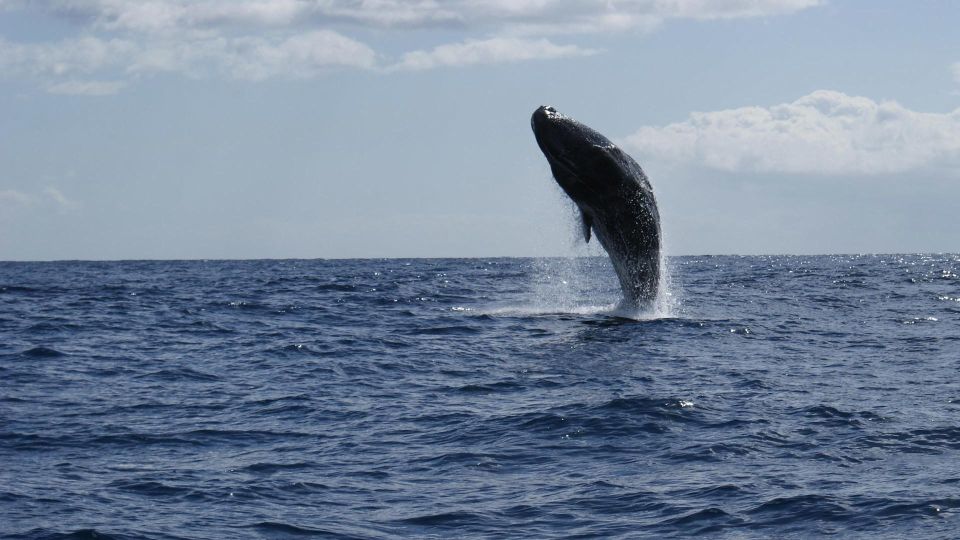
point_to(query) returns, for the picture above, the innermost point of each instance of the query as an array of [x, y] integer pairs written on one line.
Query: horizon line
[[474, 257]]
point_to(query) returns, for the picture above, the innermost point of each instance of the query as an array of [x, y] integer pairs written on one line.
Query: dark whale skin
[[614, 196]]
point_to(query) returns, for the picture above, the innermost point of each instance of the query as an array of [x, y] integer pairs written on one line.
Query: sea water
[[764, 397]]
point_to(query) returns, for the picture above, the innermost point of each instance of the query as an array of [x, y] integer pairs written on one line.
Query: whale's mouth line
[[566, 161], [567, 165], [555, 153]]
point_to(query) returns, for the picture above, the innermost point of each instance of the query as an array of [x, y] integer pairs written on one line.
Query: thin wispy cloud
[[85, 54], [57, 196], [825, 132], [263, 39], [251, 58], [300, 55], [488, 51], [589, 15], [255, 58], [11, 198], [49, 197], [86, 88]]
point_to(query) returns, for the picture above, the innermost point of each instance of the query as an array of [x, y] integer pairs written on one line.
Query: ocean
[[764, 397]]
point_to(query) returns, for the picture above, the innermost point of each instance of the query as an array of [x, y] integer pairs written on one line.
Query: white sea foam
[[583, 282], [541, 310], [584, 286]]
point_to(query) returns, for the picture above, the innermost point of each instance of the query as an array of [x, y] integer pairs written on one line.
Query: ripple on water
[[42, 352]]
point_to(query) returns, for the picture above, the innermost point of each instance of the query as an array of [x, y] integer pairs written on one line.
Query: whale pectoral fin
[[587, 222]]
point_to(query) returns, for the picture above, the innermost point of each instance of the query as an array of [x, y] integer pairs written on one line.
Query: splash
[[572, 285], [668, 302], [539, 311], [583, 282], [585, 285]]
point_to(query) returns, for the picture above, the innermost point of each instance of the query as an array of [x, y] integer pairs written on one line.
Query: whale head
[[587, 165]]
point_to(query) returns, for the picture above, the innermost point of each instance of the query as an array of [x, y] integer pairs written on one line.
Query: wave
[[475, 399], [615, 310], [42, 352]]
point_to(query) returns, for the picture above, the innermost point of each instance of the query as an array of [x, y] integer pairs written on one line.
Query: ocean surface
[[764, 397]]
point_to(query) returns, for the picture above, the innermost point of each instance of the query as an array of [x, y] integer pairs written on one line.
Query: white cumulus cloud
[[825, 132], [488, 51]]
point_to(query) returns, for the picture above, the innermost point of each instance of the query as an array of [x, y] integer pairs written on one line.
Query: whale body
[[614, 197]]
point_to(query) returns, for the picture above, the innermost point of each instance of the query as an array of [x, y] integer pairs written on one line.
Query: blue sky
[[390, 128]]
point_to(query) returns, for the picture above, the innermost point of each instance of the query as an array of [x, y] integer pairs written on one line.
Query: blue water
[[766, 397]]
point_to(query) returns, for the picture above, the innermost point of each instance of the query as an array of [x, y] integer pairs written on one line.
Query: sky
[[212, 129]]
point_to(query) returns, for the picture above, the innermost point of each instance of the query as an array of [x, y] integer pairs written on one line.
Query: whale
[[613, 196]]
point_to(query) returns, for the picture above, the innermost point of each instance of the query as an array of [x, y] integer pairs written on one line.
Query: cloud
[[86, 88], [825, 132], [261, 39], [79, 55], [487, 51], [251, 58], [588, 15], [12, 199], [956, 72], [301, 55], [57, 196], [729, 9], [166, 15], [255, 58]]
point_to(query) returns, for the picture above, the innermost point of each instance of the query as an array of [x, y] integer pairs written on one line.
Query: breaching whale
[[613, 195]]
